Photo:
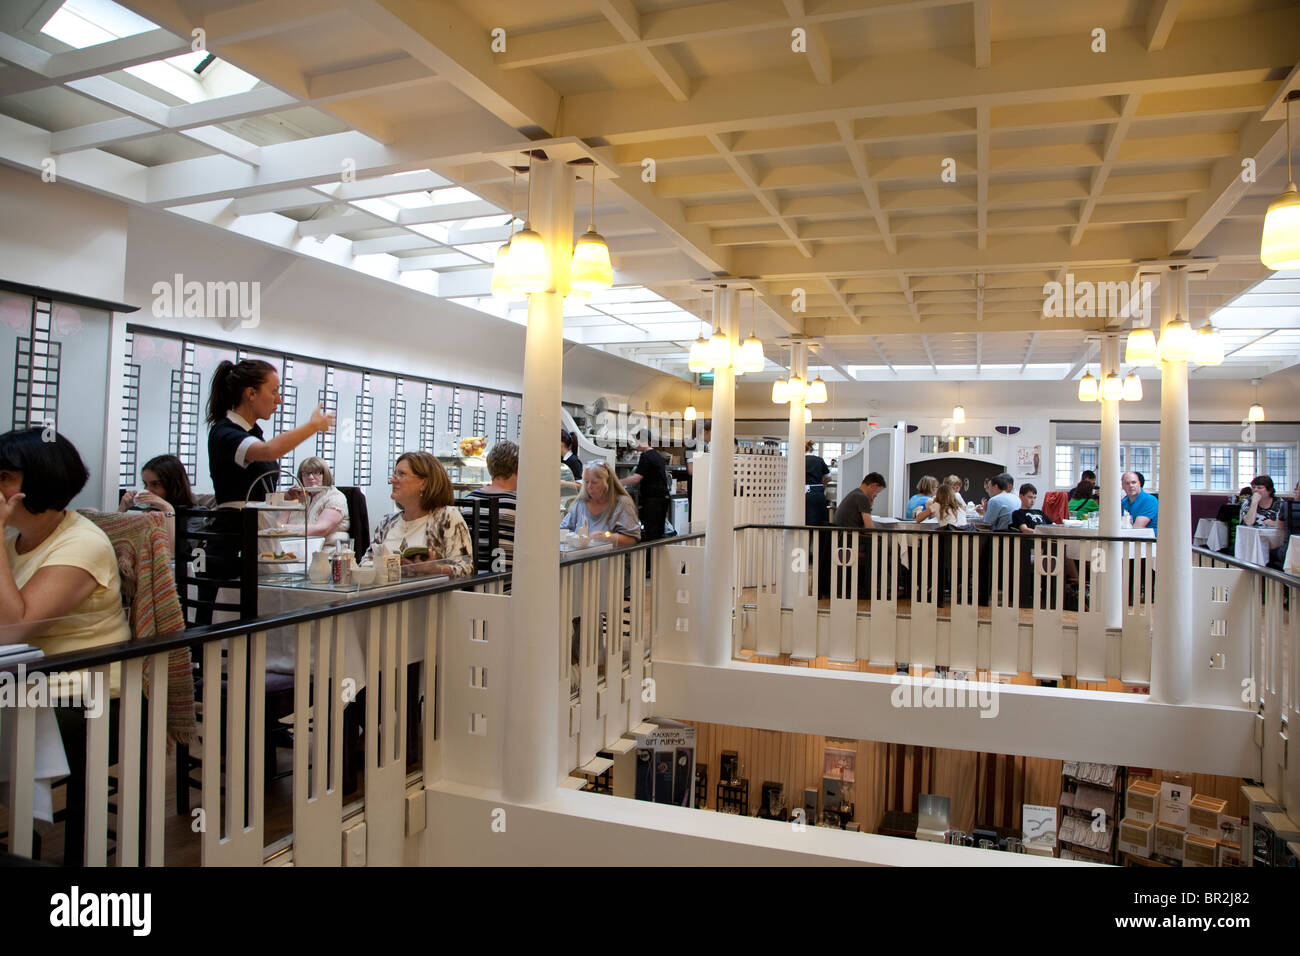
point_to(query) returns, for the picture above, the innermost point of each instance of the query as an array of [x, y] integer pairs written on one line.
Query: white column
[[794, 474], [1109, 481], [531, 771], [714, 642], [1171, 646]]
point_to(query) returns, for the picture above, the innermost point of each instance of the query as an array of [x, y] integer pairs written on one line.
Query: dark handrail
[[1281, 577], [907, 526], [197, 636]]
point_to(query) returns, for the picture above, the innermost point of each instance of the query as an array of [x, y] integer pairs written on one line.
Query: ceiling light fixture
[[1176, 340], [529, 270], [699, 356], [816, 394], [1256, 413], [959, 410], [1132, 388], [1112, 388], [1207, 349], [751, 352], [501, 265], [1087, 388], [1279, 246], [807, 415], [1140, 349], [590, 269]]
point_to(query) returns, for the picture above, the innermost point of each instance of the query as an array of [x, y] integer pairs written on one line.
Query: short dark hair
[[1004, 482], [1027, 488], [875, 478], [1090, 475], [503, 459], [1142, 479], [1265, 481], [176, 483], [642, 434], [52, 470]]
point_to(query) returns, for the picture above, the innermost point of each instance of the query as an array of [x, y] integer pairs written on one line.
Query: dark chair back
[[483, 516], [214, 550], [358, 518]]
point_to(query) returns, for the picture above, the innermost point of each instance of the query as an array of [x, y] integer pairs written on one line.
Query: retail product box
[[1142, 802], [1175, 800], [1199, 850], [1203, 816], [1227, 855], [1170, 840], [1136, 836]]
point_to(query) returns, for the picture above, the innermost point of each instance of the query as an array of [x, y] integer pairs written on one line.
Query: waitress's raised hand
[[321, 421]]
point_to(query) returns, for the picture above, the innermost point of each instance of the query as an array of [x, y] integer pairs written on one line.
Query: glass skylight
[[83, 23]]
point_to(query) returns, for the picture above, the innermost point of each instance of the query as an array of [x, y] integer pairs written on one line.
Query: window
[[1064, 466], [1277, 466], [1088, 458], [959, 444], [1221, 469], [1247, 466], [1196, 466], [1140, 460]]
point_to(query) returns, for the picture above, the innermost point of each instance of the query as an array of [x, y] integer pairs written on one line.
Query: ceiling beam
[[33, 68], [1205, 53], [829, 356], [982, 12], [982, 173], [839, 297], [748, 174], [626, 20], [911, 299], [871, 340], [929, 354], [1114, 138], [1084, 359], [1159, 22], [858, 157], [1033, 339]]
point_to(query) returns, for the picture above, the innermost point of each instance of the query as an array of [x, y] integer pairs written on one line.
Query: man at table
[[1143, 508], [855, 512], [1002, 505], [1026, 518]]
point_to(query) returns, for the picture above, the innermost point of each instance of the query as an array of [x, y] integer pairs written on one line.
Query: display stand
[[733, 798], [1089, 811], [701, 785]]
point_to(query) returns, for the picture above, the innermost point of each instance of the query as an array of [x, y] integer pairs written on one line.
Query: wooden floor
[[943, 613]]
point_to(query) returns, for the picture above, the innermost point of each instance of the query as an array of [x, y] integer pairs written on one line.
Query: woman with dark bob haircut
[[59, 585], [242, 461], [166, 486]]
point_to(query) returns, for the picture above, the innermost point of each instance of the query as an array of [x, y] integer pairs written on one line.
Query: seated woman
[[946, 507], [1261, 509], [426, 530], [166, 488], [1083, 498], [327, 509], [920, 502], [59, 584], [604, 505], [59, 589]]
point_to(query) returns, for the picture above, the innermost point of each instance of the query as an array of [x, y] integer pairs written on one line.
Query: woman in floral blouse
[[430, 535]]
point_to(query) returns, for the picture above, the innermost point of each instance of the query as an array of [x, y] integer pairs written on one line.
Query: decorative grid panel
[[329, 402], [480, 417], [130, 416], [36, 372], [453, 414], [396, 426], [364, 433], [759, 484], [183, 414], [286, 419], [428, 424], [503, 421]]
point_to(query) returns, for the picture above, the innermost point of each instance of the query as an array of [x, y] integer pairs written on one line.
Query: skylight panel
[[440, 197], [84, 23], [436, 231], [486, 251]]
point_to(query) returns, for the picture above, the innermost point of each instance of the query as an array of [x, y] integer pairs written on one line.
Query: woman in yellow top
[[59, 586]]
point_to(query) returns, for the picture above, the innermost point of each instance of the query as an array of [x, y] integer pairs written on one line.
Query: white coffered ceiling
[[371, 134]]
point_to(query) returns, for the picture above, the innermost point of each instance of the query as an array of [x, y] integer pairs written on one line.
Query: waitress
[[243, 463], [569, 453]]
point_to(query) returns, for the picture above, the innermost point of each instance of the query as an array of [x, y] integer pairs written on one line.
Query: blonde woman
[[953, 482], [327, 509], [426, 530], [925, 489], [604, 505], [946, 507]]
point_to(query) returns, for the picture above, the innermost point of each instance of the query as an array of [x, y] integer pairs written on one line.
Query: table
[[1072, 548], [1292, 563], [1254, 544], [1211, 534]]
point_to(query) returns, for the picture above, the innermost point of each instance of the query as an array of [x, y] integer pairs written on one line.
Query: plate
[[262, 560], [278, 533]]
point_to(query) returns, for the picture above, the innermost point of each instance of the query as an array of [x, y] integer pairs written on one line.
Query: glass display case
[[466, 474]]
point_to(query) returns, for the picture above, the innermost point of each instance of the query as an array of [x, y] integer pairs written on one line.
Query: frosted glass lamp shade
[[816, 392], [1132, 388], [751, 355], [1279, 247], [699, 360], [590, 270], [1141, 348], [1112, 389], [1176, 342], [780, 392], [1208, 347], [529, 271], [1087, 388]]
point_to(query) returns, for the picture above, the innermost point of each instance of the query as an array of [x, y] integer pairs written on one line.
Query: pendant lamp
[[1207, 349], [1087, 388], [780, 392], [689, 414], [816, 394], [501, 264], [1176, 341], [1112, 389], [1140, 348], [751, 351], [1256, 413], [1279, 246], [959, 414], [795, 389], [1132, 388], [590, 269], [807, 415], [719, 349], [529, 271]]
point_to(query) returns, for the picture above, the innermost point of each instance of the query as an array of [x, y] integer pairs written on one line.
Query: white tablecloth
[[51, 762], [1211, 534], [1292, 563], [1254, 544], [1072, 548]]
